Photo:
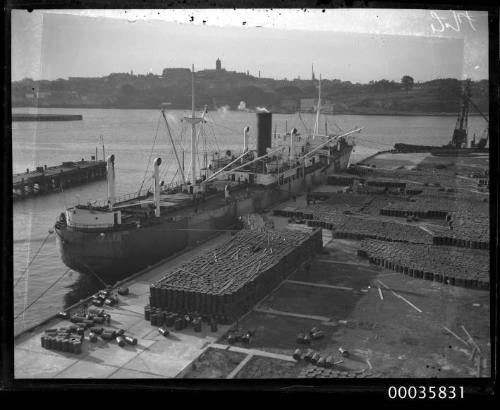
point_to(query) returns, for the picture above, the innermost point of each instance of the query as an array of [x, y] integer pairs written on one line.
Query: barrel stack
[[226, 282]]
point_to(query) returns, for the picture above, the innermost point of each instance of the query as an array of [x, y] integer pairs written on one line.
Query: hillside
[[226, 88]]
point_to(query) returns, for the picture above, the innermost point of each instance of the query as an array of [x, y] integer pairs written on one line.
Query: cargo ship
[[117, 237], [459, 144]]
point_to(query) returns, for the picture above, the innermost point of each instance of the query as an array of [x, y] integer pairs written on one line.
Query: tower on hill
[[218, 65]]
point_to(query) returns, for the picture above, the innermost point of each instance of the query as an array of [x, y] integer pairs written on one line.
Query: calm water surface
[[129, 134]]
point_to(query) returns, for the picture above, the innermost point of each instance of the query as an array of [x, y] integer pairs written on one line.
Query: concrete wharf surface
[[154, 356]]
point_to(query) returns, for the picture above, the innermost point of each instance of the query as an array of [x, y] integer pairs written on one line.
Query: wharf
[[45, 179], [393, 323], [45, 117]]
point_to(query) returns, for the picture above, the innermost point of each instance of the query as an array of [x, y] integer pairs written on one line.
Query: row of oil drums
[[454, 280]]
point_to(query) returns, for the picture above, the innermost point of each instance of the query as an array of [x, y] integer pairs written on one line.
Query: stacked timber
[[225, 282]]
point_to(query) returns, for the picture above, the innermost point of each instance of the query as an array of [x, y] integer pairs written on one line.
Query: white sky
[[350, 44]]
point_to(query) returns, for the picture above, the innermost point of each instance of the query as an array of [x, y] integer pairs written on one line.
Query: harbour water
[[130, 134]]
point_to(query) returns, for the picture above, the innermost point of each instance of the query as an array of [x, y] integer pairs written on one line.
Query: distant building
[[176, 72], [218, 65]]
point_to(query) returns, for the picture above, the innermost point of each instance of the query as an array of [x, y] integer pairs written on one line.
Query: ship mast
[[193, 133], [318, 110], [193, 121]]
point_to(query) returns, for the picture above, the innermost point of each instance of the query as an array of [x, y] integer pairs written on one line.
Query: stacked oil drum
[[226, 282], [449, 265], [360, 228], [64, 339], [430, 207]]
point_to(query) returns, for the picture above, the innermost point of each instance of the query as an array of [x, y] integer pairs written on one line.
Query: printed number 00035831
[[426, 392]]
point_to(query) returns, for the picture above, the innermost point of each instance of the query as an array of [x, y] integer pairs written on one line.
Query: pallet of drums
[[177, 321], [227, 282], [63, 339], [70, 339]]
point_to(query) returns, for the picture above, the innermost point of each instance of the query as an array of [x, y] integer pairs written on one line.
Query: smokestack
[[156, 177], [264, 132], [111, 180]]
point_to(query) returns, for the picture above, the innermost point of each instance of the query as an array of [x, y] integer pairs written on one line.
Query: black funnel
[[264, 132]]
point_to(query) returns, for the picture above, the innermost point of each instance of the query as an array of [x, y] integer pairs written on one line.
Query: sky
[[357, 45]]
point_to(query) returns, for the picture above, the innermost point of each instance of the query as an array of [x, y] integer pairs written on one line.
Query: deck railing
[[104, 202]]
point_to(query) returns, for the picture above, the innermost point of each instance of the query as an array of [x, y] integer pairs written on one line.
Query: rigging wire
[[150, 154], [306, 128], [172, 180], [42, 294], [213, 132], [223, 126], [32, 259]]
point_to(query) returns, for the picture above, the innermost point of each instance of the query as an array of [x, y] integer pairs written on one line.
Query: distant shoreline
[[366, 113]]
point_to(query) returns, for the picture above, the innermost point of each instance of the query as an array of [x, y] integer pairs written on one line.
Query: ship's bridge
[[88, 217]]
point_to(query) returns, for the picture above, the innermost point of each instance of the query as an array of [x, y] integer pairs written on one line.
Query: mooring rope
[[31, 261], [42, 294]]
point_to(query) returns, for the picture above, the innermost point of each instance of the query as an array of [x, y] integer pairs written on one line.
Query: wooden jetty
[[46, 117], [45, 179]]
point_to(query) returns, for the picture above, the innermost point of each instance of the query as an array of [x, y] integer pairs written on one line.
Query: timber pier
[[46, 117], [44, 180]]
